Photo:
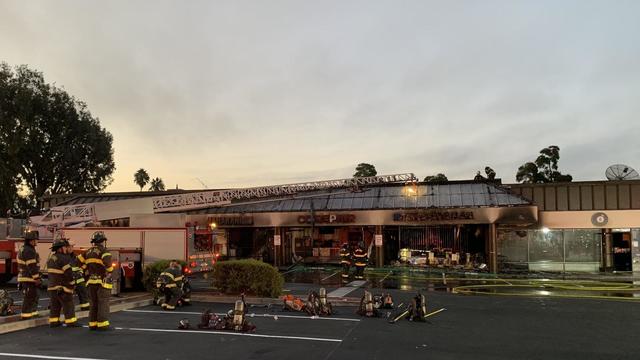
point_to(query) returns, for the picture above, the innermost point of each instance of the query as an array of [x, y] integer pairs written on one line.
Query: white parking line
[[45, 357], [250, 315], [233, 334]]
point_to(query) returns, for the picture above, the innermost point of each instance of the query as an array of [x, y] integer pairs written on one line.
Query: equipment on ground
[[6, 302], [292, 303], [367, 306], [184, 324]]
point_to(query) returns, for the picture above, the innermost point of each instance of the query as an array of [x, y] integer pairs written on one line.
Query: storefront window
[[582, 245], [571, 250], [512, 249], [545, 245]]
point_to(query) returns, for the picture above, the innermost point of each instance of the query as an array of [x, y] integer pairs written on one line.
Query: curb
[[43, 319]]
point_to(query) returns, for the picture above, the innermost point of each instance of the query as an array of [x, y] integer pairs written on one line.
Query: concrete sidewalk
[[14, 323]]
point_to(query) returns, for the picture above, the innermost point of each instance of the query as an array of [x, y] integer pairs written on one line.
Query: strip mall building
[[561, 227]]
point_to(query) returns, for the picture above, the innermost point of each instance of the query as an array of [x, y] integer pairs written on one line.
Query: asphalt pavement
[[471, 327]]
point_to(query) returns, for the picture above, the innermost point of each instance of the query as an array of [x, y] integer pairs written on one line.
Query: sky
[[248, 93]]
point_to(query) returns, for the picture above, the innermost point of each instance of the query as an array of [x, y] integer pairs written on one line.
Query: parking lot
[[471, 327]]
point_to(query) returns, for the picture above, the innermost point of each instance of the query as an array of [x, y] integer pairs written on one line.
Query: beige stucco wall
[[582, 219]]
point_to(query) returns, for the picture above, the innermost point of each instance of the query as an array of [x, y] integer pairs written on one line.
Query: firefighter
[[78, 267], [99, 283], [345, 262], [6, 302], [360, 259], [29, 275], [61, 285], [172, 278]]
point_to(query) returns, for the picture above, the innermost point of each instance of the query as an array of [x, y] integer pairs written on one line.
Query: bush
[[152, 271], [250, 276]]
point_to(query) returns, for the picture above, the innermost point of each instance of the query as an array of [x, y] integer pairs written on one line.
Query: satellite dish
[[621, 172]]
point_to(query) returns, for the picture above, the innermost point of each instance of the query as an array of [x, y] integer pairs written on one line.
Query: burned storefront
[[451, 224]]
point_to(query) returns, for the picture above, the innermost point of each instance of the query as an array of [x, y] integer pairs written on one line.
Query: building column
[[635, 255], [493, 247], [379, 248], [277, 249], [607, 251]]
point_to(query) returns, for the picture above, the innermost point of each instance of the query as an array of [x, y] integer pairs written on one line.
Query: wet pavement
[[470, 328]]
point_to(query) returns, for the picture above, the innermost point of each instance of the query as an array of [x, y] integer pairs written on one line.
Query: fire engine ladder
[[205, 199], [61, 216]]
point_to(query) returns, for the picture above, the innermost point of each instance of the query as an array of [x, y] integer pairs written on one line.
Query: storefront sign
[[428, 216], [231, 220], [327, 219]]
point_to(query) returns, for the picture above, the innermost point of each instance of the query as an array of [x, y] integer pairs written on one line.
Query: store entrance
[[240, 243], [621, 250]]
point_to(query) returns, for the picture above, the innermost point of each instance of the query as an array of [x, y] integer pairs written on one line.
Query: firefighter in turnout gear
[[360, 258], [61, 285], [171, 280], [345, 262], [99, 282], [78, 267], [29, 275]]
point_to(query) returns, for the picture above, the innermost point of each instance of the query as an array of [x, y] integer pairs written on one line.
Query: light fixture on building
[[411, 188], [213, 226], [545, 230]]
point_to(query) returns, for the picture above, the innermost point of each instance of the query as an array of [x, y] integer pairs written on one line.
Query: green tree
[[141, 178], [156, 185], [49, 141], [436, 179], [364, 170], [544, 169]]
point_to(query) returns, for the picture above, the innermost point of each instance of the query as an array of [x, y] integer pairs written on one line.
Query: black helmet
[[98, 237], [59, 243], [31, 235]]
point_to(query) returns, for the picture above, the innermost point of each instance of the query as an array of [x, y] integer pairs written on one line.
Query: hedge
[[152, 271], [249, 276]]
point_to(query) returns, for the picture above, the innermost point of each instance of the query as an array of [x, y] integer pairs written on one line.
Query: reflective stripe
[[105, 254], [36, 276], [80, 280], [85, 305], [70, 321], [54, 320], [361, 264], [25, 279], [35, 313], [170, 307], [170, 285], [109, 269], [55, 271], [94, 261], [25, 316], [21, 262], [102, 324], [107, 286], [94, 281], [167, 275], [93, 323], [178, 278], [80, 258], [66, 267], [345, 262], [76, 269]]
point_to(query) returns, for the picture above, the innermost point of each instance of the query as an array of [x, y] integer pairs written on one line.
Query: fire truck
[[10, 242]]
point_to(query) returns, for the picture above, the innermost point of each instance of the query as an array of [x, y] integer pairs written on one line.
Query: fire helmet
[[98, 237]]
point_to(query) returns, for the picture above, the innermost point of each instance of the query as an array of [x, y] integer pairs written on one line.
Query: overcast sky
[[240, 93]]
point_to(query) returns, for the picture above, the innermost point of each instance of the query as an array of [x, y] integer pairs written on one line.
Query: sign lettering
[[326, 219], [433, 216]]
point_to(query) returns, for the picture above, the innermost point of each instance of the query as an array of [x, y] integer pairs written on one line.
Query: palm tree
[[141, 178], [156, 185]]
